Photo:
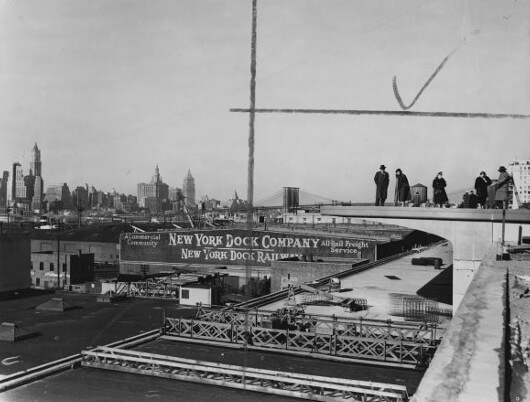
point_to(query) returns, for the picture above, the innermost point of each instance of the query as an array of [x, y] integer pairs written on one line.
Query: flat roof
[[67, 333], [378, 284]]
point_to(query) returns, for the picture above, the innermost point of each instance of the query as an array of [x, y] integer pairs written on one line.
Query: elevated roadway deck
[[471, 231]]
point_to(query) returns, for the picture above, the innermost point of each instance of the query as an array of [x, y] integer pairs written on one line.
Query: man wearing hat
[[501, 188], [381, 180]]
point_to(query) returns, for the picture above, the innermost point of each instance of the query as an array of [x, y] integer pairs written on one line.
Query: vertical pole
[[250, 178], [252, 117], [503, 223], [59, 258]]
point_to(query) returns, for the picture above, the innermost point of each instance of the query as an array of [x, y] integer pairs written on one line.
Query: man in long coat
[[439, 194], [402, 191], [381, 180], [501, 188]]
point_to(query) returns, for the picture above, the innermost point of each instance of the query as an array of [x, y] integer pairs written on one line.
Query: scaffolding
[[337, 343], [415, 308], [421, 332], [296, 385]]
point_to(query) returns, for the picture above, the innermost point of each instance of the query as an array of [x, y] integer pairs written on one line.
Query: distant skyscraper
[[14, 181], [81, 197], [156, 177], [66, 197], [35, 169], [520, 171], [35, 164], [18, 189], [37, 194], [29, 183], [152, 195], [188, 189], [3, 189]]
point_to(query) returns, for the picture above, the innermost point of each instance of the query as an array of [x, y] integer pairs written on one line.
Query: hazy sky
[[110, 88]]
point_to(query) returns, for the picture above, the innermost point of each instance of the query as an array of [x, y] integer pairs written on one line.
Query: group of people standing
[[382, 180], [402, 190], [489, 194]]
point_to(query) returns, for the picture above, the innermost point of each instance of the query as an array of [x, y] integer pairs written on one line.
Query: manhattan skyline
[[108, 89]]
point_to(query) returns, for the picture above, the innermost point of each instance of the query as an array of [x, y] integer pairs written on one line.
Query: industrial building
[[520, 172], [66, 258], [15, 263], [51, 270]]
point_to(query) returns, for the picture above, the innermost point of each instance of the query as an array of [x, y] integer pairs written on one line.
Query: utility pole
[[58, 256], [79, 214], [252, 117]]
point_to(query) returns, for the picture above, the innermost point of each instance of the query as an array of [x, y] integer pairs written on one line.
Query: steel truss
[[151, 289], [413, 332], [335, 344], [304, 386]]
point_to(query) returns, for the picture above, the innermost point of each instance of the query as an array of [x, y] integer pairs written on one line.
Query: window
[[185, 293], [64, 266], [37, 281], [52, 267], [41, 266]]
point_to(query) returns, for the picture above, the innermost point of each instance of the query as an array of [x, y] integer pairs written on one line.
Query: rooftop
[[398, 278]]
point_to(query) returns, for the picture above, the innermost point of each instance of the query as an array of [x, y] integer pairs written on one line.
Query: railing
[[335, 344], [413, 332], [296, 385], [154, 290], [56, 366]]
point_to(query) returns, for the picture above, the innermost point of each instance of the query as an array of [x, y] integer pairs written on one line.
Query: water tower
[[291, 199]]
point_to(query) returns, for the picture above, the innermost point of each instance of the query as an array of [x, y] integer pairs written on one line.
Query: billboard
[[234, 246]]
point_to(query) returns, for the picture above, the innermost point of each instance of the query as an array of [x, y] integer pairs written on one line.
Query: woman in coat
[[501, 188], [438, 186], [481, 186], [402, 192]]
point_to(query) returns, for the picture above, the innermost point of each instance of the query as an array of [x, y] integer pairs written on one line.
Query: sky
[[108, 89]]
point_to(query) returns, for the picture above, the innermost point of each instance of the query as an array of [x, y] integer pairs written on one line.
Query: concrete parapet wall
[[470, 362]]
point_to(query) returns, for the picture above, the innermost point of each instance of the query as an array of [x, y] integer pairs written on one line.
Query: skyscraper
[[152, 195], [3, 189], [29, 182], [188, 189], [37, 193], [18, 187], [81, 197], [35, 164]]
